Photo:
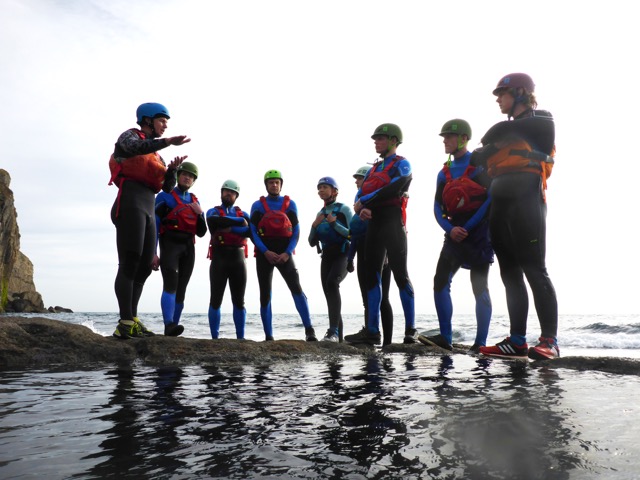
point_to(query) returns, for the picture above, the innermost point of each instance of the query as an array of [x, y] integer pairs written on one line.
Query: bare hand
[[458, 234], [319, 219], [177, 161], [357, 207], [197, 209], [272, 257], [331, 218], [283, 258], [155, 263], [178, 140], [365, 214]]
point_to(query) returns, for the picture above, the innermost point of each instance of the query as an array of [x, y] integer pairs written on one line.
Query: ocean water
[[386, 415]]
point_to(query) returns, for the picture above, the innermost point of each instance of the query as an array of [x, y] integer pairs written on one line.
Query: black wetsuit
[[134, 218], [517, 222]]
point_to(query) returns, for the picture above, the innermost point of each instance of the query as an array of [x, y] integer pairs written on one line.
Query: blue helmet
[[328, 181], [151, 110]]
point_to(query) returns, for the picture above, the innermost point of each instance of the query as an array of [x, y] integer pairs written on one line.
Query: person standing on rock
[[461, 208], [229, 227], [139, 172], [275, 231], [330, 234], [382, 201], [179, 218]]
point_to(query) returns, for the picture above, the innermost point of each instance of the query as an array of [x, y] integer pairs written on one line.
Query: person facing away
[[139, 172], [382, 201], [358, 230], [229, 227], [517, 155], [461, 209], [179, 218], [275, 232], [330, 234]]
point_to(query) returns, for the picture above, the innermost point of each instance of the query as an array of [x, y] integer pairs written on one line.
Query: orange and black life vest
[[462, 194], [520, 157], [181, 218], [148, 169], [227, 239], [275, 223]]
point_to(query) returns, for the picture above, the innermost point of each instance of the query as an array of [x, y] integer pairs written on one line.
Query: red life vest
[[227, 239], [148, 168], [275, 223], [376, 180], [182, 218], [462, 195]]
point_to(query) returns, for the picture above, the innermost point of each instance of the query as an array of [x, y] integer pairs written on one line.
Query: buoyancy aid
[[148, 169], [520, 157], [181, 218], [328, 235], [275, 223], [462, 194], [227, 239], [376, 180]]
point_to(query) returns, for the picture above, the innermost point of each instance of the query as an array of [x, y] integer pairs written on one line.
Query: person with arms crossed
[[229, 227], [518, 157], [382, 201]]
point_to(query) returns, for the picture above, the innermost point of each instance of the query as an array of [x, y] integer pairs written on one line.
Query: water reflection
[[380, 416]]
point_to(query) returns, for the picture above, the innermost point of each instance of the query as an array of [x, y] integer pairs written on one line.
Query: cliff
[[17, 290]]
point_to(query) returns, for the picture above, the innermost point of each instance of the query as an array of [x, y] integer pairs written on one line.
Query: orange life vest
[[227, 239], [148, 168], [520, 157]]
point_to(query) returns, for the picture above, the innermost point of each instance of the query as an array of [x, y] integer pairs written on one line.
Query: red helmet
[[515, 80]]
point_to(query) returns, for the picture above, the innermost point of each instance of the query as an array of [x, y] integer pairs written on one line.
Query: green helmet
[[362, 171], [390, 130], [187, 167], [458, 127], [231, 185], [273, 174]]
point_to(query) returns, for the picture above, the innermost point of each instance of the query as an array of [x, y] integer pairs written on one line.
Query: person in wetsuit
[[330, 234], [382, 200], [518, 155], [275, 231], [139, 172], [461, 209], [229, 227], [358, 230], [179, 218]]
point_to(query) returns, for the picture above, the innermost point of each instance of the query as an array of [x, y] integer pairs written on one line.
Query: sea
[[376, 416]]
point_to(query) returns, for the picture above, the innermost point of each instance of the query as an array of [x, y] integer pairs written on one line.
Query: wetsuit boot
[[239, 320], [267, 324], [214, 321], [407, 298], [168, 305], [302, 306]]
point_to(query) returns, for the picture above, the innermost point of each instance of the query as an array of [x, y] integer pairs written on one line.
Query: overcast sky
[[300, 87]]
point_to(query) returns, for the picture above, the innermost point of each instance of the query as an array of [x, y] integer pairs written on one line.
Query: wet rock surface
[[42, 342]]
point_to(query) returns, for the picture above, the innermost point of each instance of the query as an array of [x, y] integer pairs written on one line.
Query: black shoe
[[173, 330], [474, 350], [268, 338], [435, 341], [410, 336], [363, 336], [310, 334]]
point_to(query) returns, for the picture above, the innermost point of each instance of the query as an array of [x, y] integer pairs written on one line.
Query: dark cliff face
[[17, 290]]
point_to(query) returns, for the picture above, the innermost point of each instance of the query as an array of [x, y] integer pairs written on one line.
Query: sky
[[300, 87]]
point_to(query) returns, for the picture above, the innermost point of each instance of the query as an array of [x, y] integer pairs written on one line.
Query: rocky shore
[[44, 343]]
